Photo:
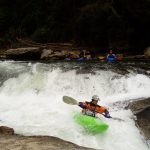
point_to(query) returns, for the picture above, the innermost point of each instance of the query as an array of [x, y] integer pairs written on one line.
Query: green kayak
[[91, 124]]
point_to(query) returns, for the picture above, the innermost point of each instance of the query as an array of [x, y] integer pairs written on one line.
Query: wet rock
[[11, 141], [143, 121], [29, 53], [6, 130], [46, 53], [17, 142], [53, 55], [139, 105], [141, 109]]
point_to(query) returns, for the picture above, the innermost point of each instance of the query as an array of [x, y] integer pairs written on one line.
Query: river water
[[31, 100]]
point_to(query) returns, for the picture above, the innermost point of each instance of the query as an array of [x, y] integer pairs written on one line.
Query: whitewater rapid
[[31, 102]]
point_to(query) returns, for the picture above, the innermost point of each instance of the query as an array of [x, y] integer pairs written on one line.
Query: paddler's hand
[[106, 114]]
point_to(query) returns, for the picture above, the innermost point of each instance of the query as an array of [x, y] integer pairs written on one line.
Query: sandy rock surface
[[17, 142]]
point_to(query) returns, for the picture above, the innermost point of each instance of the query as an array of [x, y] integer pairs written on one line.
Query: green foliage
[[92, 24], [96, 23]]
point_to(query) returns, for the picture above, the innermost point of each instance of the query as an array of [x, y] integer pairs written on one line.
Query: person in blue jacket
[[111, 57]]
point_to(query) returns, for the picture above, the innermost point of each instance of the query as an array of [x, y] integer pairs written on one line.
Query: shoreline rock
[[29, 53], [59, 52], [19, 142], [141, 109], [6, 130], [11, 141]]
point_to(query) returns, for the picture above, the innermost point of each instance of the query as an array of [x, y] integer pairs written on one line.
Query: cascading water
[[31, 101]]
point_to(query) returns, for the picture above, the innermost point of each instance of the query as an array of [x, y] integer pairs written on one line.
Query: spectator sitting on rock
[[111, 56]]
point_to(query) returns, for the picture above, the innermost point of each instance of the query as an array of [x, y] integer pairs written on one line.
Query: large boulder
[[28, 53], [45, 53], [9, 140], [147, 52], [53, 55], [18, 142], [6, 130], [141, 109]]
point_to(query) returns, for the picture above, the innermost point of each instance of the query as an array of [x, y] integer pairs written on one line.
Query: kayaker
[[92, 108], [111, 56]]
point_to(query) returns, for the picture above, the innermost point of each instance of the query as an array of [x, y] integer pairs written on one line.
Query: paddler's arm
[[102, 110]]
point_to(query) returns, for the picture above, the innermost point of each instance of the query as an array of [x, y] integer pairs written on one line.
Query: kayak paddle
[[72, 101]]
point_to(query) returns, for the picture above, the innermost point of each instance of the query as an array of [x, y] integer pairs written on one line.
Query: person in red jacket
[[92, 108]]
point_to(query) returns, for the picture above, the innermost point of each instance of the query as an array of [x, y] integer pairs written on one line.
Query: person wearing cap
[[92, 108]]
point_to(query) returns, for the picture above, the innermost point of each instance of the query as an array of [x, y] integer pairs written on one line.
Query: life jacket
[[95, 108], [111, 56]]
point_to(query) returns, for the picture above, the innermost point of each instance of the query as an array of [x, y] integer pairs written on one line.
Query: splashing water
[[31, 102]]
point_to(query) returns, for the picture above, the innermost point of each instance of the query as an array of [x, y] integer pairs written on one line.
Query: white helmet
[[95, 97]]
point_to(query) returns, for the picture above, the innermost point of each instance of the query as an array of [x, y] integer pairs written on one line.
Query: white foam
[[32, 104]]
